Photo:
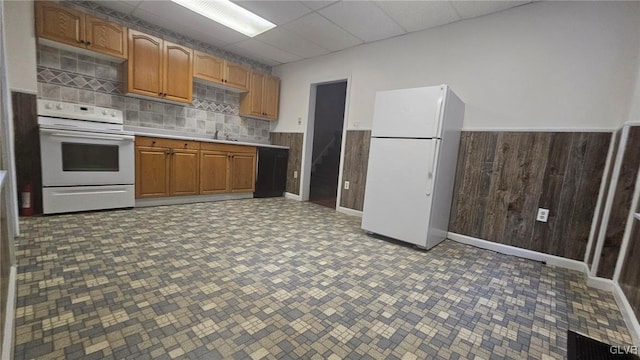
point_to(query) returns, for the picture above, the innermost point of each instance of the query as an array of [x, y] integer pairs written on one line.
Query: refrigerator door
[[408, 113], [399, 188]]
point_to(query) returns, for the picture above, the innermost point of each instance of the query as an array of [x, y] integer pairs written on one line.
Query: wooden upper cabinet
[[262, 99], [214, 69], [71, 27], [145, 64], [105, 37], [59, 23], [271, 96], [237, 76], [208, 67], [159, 68], [178, 81]]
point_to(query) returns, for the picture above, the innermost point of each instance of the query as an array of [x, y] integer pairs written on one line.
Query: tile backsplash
[[68, 76]]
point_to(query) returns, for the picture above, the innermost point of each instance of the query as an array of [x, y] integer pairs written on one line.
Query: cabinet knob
[[81, 41], [153, 143], [159, 94], [185, 145], [88, 42]]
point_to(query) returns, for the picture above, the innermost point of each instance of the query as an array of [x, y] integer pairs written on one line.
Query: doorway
[[327, 143]]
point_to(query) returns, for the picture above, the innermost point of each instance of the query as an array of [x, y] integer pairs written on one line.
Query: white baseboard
[[177, 200], [626, 310], [10, 311], [288, 195], [627, 313], [524, 253], [348, 211]]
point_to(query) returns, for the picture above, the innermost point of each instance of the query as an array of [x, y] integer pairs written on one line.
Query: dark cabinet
[[271, 180]]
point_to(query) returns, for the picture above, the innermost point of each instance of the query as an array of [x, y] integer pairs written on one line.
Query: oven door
[[76, 158]]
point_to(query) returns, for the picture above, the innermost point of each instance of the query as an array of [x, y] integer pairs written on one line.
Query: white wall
[[546, 65], [21, 46]]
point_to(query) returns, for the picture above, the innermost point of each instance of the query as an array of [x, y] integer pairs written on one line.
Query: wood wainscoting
[[504, 177], [354, 170], [621, 205], [27, 144], [294, 142]]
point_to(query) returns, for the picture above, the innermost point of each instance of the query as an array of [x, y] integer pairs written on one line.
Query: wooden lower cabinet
[[243, 172], [214, 172], [184, 172], [152, 172], [166, 167]]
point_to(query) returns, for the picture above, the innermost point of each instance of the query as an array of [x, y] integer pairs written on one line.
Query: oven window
[[89, 157]]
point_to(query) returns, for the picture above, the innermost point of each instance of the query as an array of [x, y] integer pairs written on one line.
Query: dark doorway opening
[[327, 143]]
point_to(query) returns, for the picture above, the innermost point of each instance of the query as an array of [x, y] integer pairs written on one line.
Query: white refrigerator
[[412, 164]]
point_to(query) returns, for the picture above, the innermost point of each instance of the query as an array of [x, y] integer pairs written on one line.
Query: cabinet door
[[237, 76], [214, 172], [256, 90], [145, 64], [58, 23], [271, 96], [178, 73], [152, 172], [208, 67], [105, 36], [243, 172], [184, 172]]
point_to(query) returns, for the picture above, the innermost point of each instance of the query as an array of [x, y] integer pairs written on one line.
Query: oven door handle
[[75, 134]]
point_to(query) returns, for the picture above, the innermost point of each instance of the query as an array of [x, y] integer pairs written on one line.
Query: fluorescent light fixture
[[230, 15]]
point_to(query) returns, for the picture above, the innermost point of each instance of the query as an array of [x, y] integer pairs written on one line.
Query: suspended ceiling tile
[[267, 51], [252, 55], [470, 9], [290, 42], [363, 19], [419, 15], [317, 4], [322, 32]]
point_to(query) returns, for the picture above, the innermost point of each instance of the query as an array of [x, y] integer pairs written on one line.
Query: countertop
[[169, 134]]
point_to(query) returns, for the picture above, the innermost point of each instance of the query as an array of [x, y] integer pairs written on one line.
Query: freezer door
[[398, 192], [409, 113]]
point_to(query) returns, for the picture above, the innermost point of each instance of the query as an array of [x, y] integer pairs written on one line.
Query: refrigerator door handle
[[432, 166], [436, 128]]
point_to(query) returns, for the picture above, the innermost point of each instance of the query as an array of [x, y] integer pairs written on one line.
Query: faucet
[[215, 136]]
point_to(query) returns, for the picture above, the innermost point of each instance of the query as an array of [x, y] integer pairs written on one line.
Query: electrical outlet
[[299, 121], [543, 215], [346, 185], [295, 174]]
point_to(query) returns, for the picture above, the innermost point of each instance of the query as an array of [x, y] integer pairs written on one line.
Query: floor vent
[[580, 347]]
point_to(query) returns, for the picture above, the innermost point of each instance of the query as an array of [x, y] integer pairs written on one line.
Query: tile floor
[[275, 278]]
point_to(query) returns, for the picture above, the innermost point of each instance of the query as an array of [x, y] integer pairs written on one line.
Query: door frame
[[307, 143]]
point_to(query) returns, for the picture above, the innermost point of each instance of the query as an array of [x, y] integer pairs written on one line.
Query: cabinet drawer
[[167, 143], [228, 148]]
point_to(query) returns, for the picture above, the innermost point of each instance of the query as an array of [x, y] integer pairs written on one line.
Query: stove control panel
[[65, 110]]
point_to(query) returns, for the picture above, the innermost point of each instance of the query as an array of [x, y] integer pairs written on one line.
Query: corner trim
[[628, 315], [292, 196], [7, 341], [348, 211], [633, 326]]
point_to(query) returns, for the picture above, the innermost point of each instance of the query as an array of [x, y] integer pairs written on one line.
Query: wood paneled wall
[[27, 144], [504, 177], [621, 204], [294, 142], [356, 158], [630, 275], [607, 179]]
